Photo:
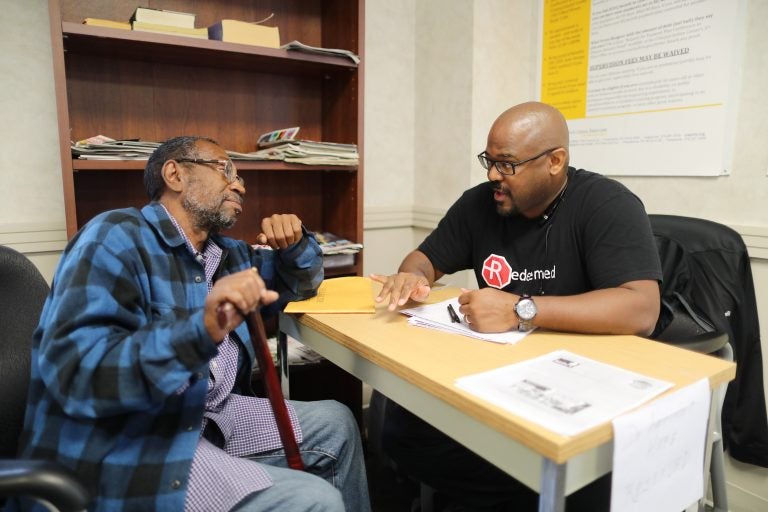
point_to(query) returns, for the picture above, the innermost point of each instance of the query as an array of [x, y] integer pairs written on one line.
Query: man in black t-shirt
[[551, 247]]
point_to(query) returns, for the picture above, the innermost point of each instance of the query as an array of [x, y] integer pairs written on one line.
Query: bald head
[[534, 137], [530, 126]]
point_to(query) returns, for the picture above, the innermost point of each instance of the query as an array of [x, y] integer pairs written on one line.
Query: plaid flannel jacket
[[120, 334]]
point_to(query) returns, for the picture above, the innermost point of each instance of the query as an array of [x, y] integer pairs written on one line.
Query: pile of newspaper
[[104, 148], [337, 251], [333, 52], [305, 152]]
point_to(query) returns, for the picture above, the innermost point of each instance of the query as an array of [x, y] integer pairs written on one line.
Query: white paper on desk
[[436, 316], [563, 392], [658, 452]]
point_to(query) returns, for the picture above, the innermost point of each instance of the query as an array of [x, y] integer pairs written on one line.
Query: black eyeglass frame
[[487, 163], [226, 167]]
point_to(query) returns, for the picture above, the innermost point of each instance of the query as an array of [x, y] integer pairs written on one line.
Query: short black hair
[[173, 149]]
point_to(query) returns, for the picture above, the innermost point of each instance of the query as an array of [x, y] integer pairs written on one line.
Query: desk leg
[[714, 477], [552, 496], [711, 434], [282, 359], [319, 381]]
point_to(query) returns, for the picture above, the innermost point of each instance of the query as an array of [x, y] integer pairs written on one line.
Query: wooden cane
[[274, 393]]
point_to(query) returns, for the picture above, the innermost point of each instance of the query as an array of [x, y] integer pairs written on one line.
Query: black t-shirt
[[598, 236]]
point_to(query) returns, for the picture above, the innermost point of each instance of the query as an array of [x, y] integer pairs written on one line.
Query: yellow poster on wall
[[565, 56]]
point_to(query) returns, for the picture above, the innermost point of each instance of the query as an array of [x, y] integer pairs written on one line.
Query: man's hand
[[488, 309], [400, 287], [280, 230], [231, 297]]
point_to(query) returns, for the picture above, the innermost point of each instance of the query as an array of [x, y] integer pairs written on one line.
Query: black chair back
[[708, 265], [22, 293]]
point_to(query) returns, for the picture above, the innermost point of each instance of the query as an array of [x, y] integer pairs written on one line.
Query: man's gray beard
[[210, 220]]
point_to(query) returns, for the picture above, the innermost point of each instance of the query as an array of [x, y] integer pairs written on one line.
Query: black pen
[[454, 317]]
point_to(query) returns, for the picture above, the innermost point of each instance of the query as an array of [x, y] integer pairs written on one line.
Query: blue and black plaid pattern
[[121, 333]]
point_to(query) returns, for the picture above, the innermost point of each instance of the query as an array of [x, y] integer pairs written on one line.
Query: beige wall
[[32, 204], [437, 74], [474, 59]]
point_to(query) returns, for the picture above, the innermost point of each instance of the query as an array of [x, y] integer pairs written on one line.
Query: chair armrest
[[706, 343], [43, 480]]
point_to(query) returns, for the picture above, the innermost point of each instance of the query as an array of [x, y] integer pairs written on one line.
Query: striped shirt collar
[[209, 249]]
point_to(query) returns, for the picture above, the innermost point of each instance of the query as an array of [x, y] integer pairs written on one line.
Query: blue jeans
[[331, 450]]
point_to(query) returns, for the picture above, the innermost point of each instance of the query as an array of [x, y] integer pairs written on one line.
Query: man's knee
[[320, 496], [330, 501], [307, 493], [338, 417]]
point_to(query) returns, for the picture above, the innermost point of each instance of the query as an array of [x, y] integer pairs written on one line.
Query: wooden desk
[[417, 368]]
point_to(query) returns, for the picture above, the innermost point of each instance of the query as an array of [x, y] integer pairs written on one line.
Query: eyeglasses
[[226, 167], [505, 167]]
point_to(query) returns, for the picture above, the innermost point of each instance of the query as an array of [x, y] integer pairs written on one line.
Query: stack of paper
[[436, 316], [333, 52], [337, 251], [305, 152], [104, 148], [298, 353], [564, 392], [319, 153]]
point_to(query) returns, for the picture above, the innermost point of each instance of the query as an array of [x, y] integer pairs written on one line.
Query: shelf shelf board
[[161, 48], [340, 271], [243, 165]]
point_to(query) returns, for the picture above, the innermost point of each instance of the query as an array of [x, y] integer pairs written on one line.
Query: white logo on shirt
[[498, 273]]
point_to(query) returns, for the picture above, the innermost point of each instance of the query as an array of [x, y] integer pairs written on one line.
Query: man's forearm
[[621, 310]]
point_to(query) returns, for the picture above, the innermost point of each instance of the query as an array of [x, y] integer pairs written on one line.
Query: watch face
[[526, 309]]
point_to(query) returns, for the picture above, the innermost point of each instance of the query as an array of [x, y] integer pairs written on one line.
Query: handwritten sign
[[658, 455]]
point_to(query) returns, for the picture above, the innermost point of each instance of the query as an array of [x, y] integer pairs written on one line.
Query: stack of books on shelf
[[177, 23], [101, 22], [243, 32], [162, 21], [337, 251], [104, 148]]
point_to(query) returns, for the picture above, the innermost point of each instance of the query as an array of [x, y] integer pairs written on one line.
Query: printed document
[[658, 452], [436, 316], [563, 392]]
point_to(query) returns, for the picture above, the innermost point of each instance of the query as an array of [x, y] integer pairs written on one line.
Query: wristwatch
[[526, 311]]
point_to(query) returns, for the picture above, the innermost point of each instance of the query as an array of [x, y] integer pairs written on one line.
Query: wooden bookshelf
[[128, 85], [139, 85]]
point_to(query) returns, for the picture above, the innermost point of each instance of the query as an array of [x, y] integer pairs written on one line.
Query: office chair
[[22, 293], [693, 315]]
